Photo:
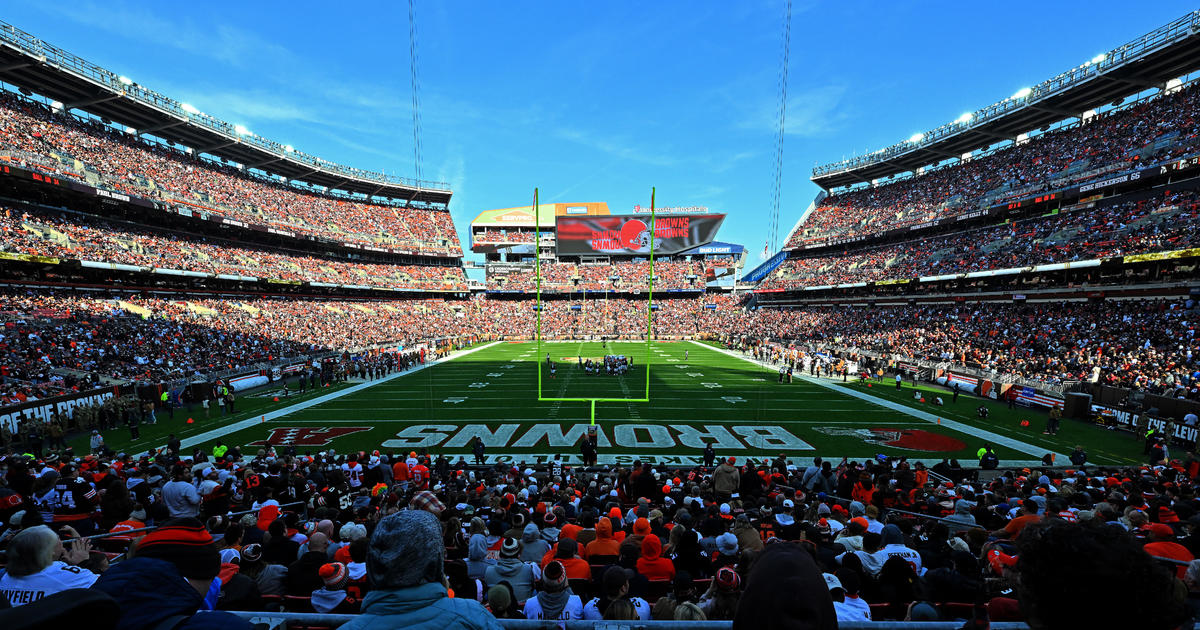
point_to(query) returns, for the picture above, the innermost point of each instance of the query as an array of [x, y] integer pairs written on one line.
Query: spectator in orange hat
[[1162, 544]]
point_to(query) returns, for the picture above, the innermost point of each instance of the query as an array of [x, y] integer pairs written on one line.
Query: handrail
[[318, 619], [154, 527]]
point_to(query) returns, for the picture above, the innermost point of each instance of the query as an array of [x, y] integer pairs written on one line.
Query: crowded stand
[[1143, 345], [496, 236], [1109, 141], [76, 236], [617, 277], [406, 539], [1167, 222], [36, 137], [50, 339]]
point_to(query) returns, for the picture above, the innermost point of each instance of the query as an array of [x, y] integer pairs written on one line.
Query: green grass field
[[704, 396]]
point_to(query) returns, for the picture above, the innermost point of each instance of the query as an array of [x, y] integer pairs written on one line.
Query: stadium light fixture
[[241, 130], [965, 118], [289, 148], [1022, 93], [917, 137], [1099, 58], [125, 80], [187, 107]]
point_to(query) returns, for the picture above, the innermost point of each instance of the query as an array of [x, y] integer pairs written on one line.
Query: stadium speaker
[[1078, 406]]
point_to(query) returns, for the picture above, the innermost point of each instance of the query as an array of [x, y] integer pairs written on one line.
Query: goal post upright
[[537, 264]]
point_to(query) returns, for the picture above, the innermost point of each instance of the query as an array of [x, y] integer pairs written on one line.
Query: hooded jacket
[[533, 546], [962, 519], [477, 560], [605, 544], [150, 590], [424, 607], [785, 590], [652, 564], [518, 574]]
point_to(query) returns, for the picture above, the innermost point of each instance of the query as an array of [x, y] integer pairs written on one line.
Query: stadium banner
[[1131, 421], [43, 410], [618, 235]]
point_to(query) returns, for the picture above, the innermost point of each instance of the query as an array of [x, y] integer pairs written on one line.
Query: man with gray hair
[[34, 569], [408, 585]]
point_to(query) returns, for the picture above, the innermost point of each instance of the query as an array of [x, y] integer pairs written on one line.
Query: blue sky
[[592, 101]]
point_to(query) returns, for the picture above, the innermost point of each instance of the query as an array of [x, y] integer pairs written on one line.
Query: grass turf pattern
[[703, 396]]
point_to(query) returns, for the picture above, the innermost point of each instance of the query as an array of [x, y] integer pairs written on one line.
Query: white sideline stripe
[[584, 419], [990, 437], [799, 459], [279, 413]]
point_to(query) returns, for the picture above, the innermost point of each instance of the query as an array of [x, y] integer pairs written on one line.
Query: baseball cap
[[832, 581]]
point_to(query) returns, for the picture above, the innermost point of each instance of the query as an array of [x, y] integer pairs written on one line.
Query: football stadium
[[247, 385]]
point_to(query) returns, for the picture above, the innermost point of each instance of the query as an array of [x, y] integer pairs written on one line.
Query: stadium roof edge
[[32, 64], [1166, 53]]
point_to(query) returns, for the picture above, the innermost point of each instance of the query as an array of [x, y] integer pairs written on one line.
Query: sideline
[[982, 434], [219, 432]]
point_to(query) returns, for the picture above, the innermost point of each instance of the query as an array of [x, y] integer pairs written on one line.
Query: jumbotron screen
[[612, 234]]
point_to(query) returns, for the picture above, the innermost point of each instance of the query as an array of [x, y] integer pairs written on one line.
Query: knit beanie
[[728, 580], [406, 550], [554, 577], [185, 543], [511, 548], [499, 599], [334, 575], [252, 552], [567, 548]]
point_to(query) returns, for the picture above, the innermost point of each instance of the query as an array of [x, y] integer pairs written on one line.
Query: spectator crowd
[[75, 236], [406, 539], [39, 137], [1113, 140], [1163, 223], [561, 277]]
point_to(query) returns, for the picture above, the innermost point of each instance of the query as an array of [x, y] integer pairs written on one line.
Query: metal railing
[[154, 527], [1157, 39], [275, 620], [106, 80]]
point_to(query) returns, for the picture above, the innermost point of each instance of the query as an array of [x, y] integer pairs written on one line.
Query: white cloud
[[811, 112]]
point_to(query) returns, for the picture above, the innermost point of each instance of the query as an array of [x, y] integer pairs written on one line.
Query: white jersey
[[353, 474], [591, 610], [59, 576], [887, 552], [573, 609]]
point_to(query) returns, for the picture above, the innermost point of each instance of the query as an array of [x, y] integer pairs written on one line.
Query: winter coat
[[726, 479], [150, 590], [424, 607]]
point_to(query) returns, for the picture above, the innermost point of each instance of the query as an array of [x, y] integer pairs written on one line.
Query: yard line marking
[[279, 413], [988, 436]]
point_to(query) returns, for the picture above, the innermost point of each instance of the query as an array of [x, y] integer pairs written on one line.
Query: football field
[[698, 394]]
